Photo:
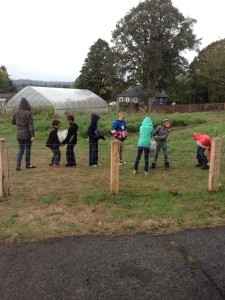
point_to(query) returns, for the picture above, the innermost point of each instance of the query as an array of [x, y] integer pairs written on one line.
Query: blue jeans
[[146, 157], [24, 145], [200, 154], [56, 157]]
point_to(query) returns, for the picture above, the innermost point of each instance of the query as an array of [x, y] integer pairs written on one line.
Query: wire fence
[[94, 168]]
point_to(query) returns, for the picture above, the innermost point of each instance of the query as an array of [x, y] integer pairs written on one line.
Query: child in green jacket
[[144, 143]]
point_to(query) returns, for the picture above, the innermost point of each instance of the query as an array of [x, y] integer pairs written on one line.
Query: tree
[[92, 75], [180, 89], [149, 42], [208, 73], [6, 84]]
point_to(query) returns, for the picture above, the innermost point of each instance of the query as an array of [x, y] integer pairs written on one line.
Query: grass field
[[47, 202]]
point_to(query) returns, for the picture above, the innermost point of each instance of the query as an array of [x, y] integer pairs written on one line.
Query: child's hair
[[70, 117], [122, 113], [55, 123]]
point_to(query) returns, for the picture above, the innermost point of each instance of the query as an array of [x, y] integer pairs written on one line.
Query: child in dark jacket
[[94, 136], [53, 143], [71, 141], [161, 134]]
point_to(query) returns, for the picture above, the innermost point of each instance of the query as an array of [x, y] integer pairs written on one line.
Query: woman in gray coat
[[23, 119]]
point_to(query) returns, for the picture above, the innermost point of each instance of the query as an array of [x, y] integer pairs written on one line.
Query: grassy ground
[[47, 202]]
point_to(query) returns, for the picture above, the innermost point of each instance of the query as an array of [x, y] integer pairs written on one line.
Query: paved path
[[188, 265]]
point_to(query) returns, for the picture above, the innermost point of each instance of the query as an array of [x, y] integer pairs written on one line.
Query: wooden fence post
[[215, 160], [114, 176], [4, 169]]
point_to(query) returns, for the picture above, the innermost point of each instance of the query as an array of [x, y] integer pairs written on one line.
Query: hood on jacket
[[166, 120], [94, 119], [147, 122], [24, 104], [197, 136]]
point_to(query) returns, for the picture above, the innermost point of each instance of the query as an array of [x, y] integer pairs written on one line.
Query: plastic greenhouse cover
[[60, 99]]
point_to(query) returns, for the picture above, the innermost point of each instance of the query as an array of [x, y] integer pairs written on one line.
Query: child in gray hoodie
[[160, 134]]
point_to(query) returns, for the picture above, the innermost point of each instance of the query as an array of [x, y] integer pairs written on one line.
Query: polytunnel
[[62, 100]]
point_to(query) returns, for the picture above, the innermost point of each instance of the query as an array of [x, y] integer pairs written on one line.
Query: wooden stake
[[215, 160], [4, 169], [114, 176]]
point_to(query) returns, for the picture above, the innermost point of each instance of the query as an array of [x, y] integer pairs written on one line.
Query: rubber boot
[[199, 162]]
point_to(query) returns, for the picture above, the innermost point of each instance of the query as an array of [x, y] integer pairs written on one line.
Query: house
[[136, 95]]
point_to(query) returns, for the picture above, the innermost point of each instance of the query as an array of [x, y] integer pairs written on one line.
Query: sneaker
[[153, 165], [94, 166], [145, 172], [50, 164], [121, 163], [31, 167], [198, 166], [99, 164], [135, 172], [57, 166], [18, 169]]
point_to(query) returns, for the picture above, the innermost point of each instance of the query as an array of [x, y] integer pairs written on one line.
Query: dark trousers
[[70, 155], [24, 145], [146, 157], [93, 154], [56, 156], [200, 154], [161, 145]]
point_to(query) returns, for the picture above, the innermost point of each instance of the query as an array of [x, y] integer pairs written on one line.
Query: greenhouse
[[60, 99]]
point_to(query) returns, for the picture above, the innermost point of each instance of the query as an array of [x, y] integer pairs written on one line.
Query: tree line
[[6, 84], [147, 51]]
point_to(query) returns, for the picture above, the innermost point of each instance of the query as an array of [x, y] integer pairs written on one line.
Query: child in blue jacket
[[119, 130]]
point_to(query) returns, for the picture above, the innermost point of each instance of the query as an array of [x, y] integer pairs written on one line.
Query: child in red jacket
[[203, 142]]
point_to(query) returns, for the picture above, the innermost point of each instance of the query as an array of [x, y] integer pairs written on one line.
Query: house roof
[[132, 93], [136, 92]]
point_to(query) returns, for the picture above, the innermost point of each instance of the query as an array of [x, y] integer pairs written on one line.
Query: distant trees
[[148, 43], [6, 84], [207, 72], [93, 74]]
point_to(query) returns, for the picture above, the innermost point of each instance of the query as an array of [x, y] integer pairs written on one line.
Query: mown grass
[[48, 202]]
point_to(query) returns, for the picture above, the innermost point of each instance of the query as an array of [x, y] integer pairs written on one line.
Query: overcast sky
[[49, 39]]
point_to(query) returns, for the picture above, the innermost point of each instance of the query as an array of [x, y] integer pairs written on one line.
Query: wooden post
[[4, 169], [114, 176], [215, 160]]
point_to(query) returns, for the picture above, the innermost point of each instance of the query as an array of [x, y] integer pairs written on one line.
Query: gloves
[[32, 139]]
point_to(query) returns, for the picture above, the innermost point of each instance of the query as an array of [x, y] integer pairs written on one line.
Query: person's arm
[[162, 138], [90, 132], [31, 126], [155, 132], [67, 139], [14, 119], [114, 130]]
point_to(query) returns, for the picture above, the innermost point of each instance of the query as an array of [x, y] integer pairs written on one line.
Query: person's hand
[[62, 145], [32, 139]]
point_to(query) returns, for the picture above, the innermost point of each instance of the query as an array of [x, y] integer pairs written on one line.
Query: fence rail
[[190, 108]]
